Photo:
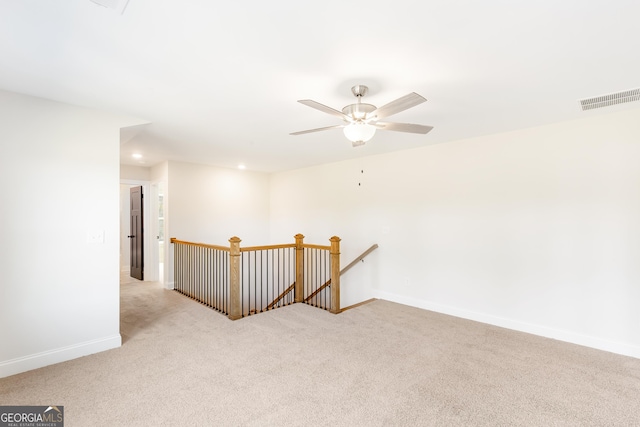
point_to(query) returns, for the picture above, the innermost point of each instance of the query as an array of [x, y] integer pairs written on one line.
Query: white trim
[[63, 354], [543, 331], [170, 285], [152, 226]]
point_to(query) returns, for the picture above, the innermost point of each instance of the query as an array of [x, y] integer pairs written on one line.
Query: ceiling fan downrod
[[359, 91]]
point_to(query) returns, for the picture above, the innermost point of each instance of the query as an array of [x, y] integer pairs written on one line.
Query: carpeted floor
[[381, 364]]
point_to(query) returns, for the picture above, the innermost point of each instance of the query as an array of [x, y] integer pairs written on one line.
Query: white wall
[[59, 173], [210, 205], [536, 230], [136, 173]]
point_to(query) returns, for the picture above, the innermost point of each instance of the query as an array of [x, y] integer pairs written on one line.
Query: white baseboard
[[543, 331], [46, 358], [170, 285]]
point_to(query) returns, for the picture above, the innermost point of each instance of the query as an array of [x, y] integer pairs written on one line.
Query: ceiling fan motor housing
[[359, 90]]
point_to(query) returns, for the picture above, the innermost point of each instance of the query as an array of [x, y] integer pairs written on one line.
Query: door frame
[[151, 251]]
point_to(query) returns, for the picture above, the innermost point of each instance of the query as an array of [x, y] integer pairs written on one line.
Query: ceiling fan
[[362, 120]]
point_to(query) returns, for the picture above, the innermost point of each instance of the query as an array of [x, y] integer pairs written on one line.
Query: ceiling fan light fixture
[[361, 119], [359, 132]]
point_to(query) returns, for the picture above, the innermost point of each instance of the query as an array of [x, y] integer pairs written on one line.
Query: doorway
[[149, 219]]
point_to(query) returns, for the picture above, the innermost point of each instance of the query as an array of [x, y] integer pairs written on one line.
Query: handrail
[[344, 270], [360, 258], [201, 245], [246, 248], [321, 247], [282, 295], [267, 247], [254, 248], [317, 291]]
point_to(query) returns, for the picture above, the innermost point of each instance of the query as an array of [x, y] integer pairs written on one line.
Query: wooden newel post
[[335, 274], [299, 288], [235, 305]]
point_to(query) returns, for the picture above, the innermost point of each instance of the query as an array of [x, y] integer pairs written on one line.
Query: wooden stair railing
[[344, 270], [216, 279], [282, 295]]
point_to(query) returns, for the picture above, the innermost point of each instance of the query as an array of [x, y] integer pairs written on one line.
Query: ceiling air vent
[[611, 99], [117, 6]]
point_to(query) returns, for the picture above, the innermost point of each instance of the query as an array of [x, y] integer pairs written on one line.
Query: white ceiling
[[218, 81]]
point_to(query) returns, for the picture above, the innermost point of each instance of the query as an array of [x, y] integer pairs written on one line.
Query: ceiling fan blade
[[400, 104], [317, 130], [405, 127], [324, 109]]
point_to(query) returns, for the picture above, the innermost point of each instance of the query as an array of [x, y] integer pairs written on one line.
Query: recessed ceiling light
[[241, 166], [136, 155]]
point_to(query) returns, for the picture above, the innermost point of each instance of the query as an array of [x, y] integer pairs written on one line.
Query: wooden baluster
[[235, 305], [335, 274]]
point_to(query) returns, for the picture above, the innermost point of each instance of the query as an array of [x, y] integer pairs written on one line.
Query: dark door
[[136, 235]]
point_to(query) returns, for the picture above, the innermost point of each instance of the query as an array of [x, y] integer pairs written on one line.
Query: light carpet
[[380, 364]]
